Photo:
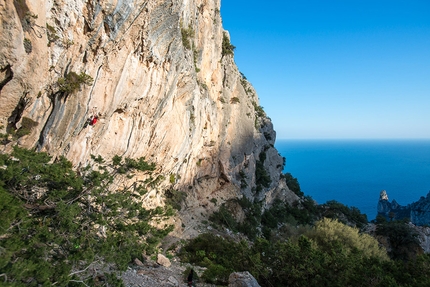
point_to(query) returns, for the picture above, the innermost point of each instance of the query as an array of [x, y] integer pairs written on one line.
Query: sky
[[349, 69]]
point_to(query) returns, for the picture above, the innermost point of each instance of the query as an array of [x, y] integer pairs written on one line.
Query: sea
[[354, 172]]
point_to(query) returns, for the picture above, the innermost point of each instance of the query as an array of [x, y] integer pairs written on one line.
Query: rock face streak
[[161, 84]]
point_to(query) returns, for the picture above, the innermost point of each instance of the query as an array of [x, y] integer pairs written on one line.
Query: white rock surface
[[189, 110]]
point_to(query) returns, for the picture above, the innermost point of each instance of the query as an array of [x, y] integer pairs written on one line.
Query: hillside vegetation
[[57, 221]]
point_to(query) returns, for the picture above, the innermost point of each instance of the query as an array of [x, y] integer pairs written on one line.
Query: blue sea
[[354, 172]]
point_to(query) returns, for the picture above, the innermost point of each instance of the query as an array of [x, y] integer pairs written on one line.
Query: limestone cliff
[[160, 75]]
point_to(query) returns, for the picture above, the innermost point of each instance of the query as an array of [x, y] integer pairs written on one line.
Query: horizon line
[[354, 139]]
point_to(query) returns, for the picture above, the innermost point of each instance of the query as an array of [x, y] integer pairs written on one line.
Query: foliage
[[224, 217], [73, 81], [175, 198], [293, 184], [195, 57], [402, 238], [227, 47], [303, 262], [345, 214], [250, 225], [187, 34], [243, 178], [219, 255], [56, 221], [329, 254], [234, 100], [259, 111], [299, 213], [28, 47], [262, 178], [330, 232], [51, 34]]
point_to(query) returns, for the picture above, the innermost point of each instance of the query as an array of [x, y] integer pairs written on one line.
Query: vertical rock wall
[[160, 83]]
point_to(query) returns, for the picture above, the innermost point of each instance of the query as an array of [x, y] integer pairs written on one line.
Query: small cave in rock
[[16, 114]]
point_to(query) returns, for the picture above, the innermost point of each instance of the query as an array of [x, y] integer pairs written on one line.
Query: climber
[[94, 120], [88, 121], [190, 278]]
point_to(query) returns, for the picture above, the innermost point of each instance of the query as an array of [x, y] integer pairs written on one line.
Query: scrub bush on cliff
[[227, 47], [72, 82], [55, 221]]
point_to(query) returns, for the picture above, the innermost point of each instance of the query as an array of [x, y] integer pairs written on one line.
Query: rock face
[[418, 212], [158, 77], [391, 210], [242, 279]]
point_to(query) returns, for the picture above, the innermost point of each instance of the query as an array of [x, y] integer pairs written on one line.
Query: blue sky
[[336, 69]]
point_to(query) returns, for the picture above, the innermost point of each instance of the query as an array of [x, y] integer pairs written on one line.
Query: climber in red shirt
[[94, 120]]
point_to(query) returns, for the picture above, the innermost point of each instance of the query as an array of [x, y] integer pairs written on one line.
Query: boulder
[[242, 279], [163, 260]]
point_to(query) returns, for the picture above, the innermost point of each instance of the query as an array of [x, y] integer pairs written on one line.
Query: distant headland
[[418, 212]]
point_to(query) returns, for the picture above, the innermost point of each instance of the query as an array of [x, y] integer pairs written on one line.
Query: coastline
[[354, 172]]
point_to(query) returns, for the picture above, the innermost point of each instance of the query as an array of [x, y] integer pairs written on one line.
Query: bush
[[51, 34], [175, 198], [300, 262], [262, 178], [234, 100], [348, 215], [72, 82], [187, 35], [223, 217], [259, 111], [293, 184], [402, 239], [28, 47], [55, 220], [329, 233], [227, 47]]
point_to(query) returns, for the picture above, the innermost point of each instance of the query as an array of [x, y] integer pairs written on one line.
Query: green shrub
[[187, 35], [223, 217], [402, 239], [28, 47], [73, 81], [340, 259], [51, 34], [55, 220], [234, 100], [243, 178], [227, 47], [348, 215], [330, 232], [259, 111], [216, 274], [293, 184], [262, 178], [175, 198]]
